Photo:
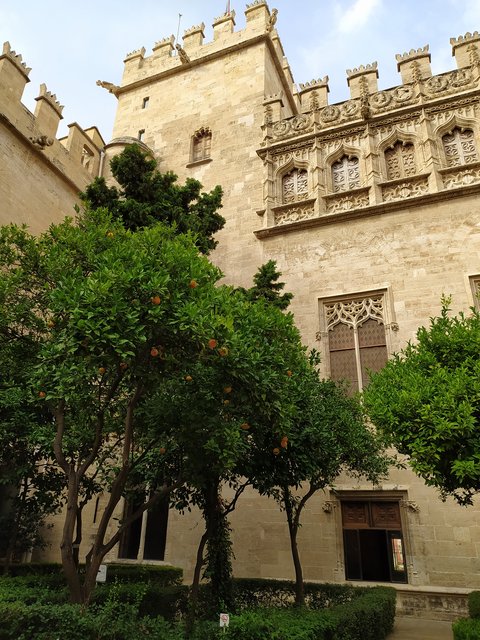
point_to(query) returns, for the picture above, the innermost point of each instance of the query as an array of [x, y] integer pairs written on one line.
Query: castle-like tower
[[40, 175], [371, 209]]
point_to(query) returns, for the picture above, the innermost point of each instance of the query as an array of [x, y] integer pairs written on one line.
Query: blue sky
[[70, 45]]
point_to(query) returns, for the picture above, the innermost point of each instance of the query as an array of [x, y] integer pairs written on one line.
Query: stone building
[[40, 175], [370, 208]]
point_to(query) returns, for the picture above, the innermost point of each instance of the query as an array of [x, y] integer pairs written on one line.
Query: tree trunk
[[66, 545], [293, 520], [299, 586], [195, 588], [219, 555]]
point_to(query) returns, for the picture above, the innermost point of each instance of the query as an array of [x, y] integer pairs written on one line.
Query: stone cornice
[[365, 212]]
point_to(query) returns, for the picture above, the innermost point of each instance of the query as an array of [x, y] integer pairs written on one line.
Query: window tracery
[[294, 186], [356, 339], [346, 174], [459, 146], [400, 161]]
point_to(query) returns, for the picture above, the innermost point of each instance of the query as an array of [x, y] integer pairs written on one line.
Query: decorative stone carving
[[381, 99], [330, 113], [293, 213], [345, 174], [295, 186], [292, 126], [182, 54], [459, 147], [41, 141], [355, 312], [357, 199], [350, 108], [403, 94], [109, 86], [272, 21], [405, 189], [268, 114], [461, 176], [284, 158], [400, 161], [450, 82]]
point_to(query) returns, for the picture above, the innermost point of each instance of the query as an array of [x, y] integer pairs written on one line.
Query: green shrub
[[114, 621], [370, 616], [162, 575], [287, 624], [466, 629], [44, 622], [250, 593], [151, 599], [474, 604], [34, 568]]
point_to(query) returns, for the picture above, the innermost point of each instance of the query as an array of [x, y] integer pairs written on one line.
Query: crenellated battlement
[[77, 156], [168, 55], [366, 101], [15, 58]]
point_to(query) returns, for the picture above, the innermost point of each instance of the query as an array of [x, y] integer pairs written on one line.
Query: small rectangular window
[[145, 102], [141, 133]]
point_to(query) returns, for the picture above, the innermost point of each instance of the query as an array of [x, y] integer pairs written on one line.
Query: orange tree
[[326, 435], [108, 316], [220, 411]]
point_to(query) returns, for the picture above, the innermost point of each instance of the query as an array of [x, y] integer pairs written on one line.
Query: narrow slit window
[[145, 102]]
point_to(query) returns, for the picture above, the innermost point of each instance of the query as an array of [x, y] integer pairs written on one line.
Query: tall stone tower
[[200, 108]]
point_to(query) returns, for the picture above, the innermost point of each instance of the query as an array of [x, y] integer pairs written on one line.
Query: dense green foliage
[[427, 402], [466, 629], [266, 286], [122, 611], [474, 604], [148, 196]]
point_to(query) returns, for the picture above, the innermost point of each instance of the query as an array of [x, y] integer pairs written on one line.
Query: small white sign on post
[[224, 620], [102, 573]]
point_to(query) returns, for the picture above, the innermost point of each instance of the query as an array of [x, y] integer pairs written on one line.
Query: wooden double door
[[373, 541]]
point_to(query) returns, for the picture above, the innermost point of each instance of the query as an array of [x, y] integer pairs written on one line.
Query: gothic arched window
[[400, 161], [201, 144], [356, 339], [294, 186], [345, 174], [459, 147]]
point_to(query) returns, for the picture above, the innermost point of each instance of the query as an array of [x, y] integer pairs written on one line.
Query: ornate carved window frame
[[336, 156], [456, 122], [388, 320], [282, 172]]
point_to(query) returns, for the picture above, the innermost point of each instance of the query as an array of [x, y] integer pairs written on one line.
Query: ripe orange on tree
[[154, 352], [212, 343], [155, 299]]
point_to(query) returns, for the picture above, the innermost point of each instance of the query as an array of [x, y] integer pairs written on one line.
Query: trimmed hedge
[[113, 622], [466, 629], [257, 592], [160, 574], [369, 615]]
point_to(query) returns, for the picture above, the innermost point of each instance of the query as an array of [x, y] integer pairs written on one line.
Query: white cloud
[[357, 15]]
